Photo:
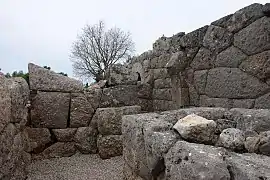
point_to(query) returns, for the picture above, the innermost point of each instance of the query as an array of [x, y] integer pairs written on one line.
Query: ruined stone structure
[[213, 85]]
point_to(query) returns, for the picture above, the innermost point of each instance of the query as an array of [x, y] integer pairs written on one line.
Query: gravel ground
[[77, 167]]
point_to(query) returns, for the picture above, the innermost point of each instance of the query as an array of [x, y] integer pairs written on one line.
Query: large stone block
[[232, 138], [46, 80], [263, 102], [241, 18], [243, 103], [200, 79], [93, 97], [231, 57], [215, 102], [86, 140], [204, 59], [233, 83], [5, 103], [110, 146], [161, 73], [81, 110], [59, 149], [109, 120], [255, 38], [64, 135], [217, 39], [162, 94], [50, 109], [159, 62], [162, 83], [39, 138], [258, 65], [194, 38], [164, 105], [250, 119], [188, 161]]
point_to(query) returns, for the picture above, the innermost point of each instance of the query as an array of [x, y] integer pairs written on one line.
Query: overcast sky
[[42, 31]]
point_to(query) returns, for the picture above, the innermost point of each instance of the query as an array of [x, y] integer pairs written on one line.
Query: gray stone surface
[[243, 103], [195, 128], [59, 149], [252, 144], [81, 111], [64, 135], [194, 97], [222, 22], [231, 57], [5, 103], [203, 60], [215, 102], [188, 161], [264, 146], [162, 83], [109, 120], [266, 9], [233, 83], [263, 102], [162, 94], [46, 80], [254, 38], [200, 79], [39, 138], [86, 140], [232, 138], [163, 105], [257, 65], [161, 73], [160, 61], [250, 119], [93, 97], [217, 39], [144, 91], [50, 109], [194, 38], [110, 146], [224, 124]]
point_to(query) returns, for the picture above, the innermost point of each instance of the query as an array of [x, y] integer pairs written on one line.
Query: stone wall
[[197, 143], [224, 64], [14, 144]]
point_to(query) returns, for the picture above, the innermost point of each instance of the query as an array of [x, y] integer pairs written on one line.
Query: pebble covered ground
[[77, 167]]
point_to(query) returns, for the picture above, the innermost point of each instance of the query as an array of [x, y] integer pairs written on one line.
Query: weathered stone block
[[46, 80], [255, 38], [86, 140], [224, 124], [109, 120], [231, 57], [144, 91], [215, 102], [203, 60], [266, 9], [164, 105], [160, 73], [217, 39], [162, 94], [110, 146], [50, 109], [263, 102], [81, 110], [196, 129], [93, 97], [233, 83], [232, 138], [5, 103], [194, 38], [200, 79], [64, 135], [59, 149], [243, 103], [190, 161]]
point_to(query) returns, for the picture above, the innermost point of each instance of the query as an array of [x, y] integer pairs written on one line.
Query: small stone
[[195, 128], [232, 138]]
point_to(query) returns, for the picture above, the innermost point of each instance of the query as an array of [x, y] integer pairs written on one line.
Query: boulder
[[39, 138], [196, 129], [233, 83], [64, 135], [252, 144], [254, 38], [50, 110], [232, 139], [110, 146], [231, 57], [59, 149], [109, 120], [217, 39], [81, 111], [86, 140], [45, 80], [188, 161]]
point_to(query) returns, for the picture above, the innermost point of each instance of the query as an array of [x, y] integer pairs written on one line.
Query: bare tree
[[97, 48]]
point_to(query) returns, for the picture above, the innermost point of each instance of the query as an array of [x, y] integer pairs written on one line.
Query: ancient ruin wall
[[14, 144], [225, 64]]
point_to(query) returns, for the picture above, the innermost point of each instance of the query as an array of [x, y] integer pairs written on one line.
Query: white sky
[[42, 31]]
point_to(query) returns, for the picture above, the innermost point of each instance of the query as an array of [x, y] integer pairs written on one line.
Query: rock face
[[196, 129], [39, 137], [50, 109], [46, 80]]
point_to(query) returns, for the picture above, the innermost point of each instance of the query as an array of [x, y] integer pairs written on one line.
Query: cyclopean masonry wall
[[66, 117], [225, 64], [14, 144]]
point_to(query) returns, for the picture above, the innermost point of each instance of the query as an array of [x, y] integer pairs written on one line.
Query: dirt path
[[77, 167]]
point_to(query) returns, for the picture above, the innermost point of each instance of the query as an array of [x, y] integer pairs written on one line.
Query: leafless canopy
[[97, 48]]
